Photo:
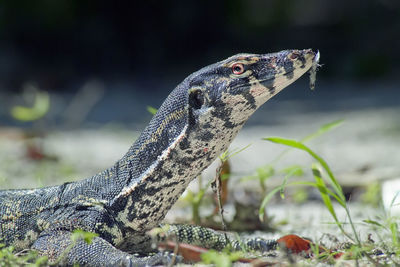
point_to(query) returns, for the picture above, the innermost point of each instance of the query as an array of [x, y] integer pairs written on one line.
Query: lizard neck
[[162, 131], [145, 201], [171, 152]]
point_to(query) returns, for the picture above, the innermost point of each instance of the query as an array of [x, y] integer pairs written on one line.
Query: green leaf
[[229, 154], [294, 170], [323, 129], [295, 144], [395, 233], [41, 261], [38, 110], [79, 234], [151, 110], [265, 201], [268, 197], [374, 223], [291, 171], [392, 203], [199, 196], [323, 190], [265, 172], [220, 259]]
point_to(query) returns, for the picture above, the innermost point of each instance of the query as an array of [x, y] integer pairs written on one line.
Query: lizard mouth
[[273, 72], [267, 87]]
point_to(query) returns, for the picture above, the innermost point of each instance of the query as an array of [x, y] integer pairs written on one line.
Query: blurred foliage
[[8, 257], [221, 259], [372, 194], [40, 107], [151, 110], [300, 195]]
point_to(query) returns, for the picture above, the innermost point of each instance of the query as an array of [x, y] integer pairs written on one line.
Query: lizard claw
[[165, 258]]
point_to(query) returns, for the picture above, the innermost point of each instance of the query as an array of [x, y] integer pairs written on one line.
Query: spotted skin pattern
[[195, 124]]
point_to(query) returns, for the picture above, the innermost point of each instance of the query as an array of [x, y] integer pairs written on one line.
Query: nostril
[[294, 55]]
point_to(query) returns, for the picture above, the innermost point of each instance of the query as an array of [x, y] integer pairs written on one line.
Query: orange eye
[[237, 68]]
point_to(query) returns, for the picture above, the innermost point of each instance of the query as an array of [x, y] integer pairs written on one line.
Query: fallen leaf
[[294, 243]]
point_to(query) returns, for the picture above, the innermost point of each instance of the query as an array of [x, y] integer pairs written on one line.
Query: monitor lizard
[[196, 123]]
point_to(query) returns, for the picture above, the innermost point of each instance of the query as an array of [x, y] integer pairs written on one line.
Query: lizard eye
[[196, 99], [237, 68]]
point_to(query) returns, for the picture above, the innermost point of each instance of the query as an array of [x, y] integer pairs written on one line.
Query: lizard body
[[196, 123]]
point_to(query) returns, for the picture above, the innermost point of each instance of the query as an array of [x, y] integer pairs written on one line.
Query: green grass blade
[[338, 192], [295, 144], [330, 192], [151, 110], [323, 129], [395, 233], [229, 154], [323, 190], [392, 203], [266, 199], [372, 222], [291, 171]]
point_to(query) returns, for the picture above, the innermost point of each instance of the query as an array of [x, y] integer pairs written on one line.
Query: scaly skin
[[196, 123]]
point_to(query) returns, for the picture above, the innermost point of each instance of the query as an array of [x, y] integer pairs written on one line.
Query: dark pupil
[[237, 69], [196, 99]]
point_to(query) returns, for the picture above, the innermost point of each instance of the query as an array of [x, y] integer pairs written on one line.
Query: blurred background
[[138, 52], [77, 79]]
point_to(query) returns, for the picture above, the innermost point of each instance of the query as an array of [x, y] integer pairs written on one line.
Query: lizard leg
[[62, 250], [208, 238]]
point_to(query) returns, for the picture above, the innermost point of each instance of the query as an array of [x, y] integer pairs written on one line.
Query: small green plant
[[325, 192], [195, 200], [389, 225], [264, 173], [27, 257], [221, 259], [332, 190], [372, 194]]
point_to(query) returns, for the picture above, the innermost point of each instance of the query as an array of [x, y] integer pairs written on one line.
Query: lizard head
[[196, 123], [234, 88], [212, 104], [204, 112]]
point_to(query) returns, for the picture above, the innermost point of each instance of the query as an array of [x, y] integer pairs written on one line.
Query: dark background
[[138, 51]]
